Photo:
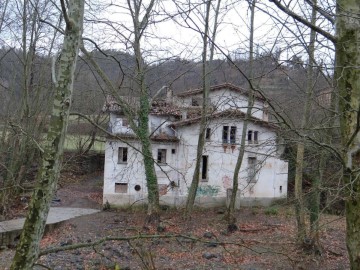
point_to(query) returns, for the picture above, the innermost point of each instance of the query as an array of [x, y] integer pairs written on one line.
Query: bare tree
[[300, 148], [28, 249], [347, 77], [230, 215]]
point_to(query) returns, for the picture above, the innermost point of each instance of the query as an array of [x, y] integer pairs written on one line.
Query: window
[[233, 135], [229, 134], [208, 134], [253, 137], [121, 187], [250, 136], [252, 162], [122, 155], [225, 134], [161, 156], [256, 137], [173, 151], [204, 168]]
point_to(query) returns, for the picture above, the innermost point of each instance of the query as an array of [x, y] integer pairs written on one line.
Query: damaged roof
[[231, 113], [158, 107], [219, 87]]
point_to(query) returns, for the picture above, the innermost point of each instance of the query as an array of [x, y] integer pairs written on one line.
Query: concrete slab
[[56, 215]]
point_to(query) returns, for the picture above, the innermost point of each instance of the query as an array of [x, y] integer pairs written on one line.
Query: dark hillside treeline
[[282, 83]]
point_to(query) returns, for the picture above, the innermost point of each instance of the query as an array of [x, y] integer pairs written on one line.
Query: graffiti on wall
[[227, 182], [207, 190]]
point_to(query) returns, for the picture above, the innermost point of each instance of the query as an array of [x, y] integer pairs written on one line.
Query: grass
[[271, 211]]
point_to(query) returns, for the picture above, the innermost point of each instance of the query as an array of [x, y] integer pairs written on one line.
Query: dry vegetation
[[265, 239]]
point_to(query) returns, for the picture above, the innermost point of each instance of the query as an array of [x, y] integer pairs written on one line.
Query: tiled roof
[[219, 87], [158, 107], [162, 137], [237, 114], [162, 107]]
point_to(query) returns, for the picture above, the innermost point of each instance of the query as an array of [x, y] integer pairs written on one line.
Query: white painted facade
[[263, 175]]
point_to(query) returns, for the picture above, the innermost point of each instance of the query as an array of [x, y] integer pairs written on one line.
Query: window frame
[[208, 134], [204, 165], [161, 156], [225, 134], [252, 169], [232, 135], [253, 137], [120, 188], [123, 155]]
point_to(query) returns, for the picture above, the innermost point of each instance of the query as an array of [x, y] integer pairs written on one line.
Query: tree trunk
[[230, 215], [28, 248], [153, 212], [203, 123], [347, 63], [299, 200]]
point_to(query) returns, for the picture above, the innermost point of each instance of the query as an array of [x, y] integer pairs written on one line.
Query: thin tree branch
[[304, 21]]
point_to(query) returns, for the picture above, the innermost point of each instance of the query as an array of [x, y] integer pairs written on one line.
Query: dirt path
[[84, 192]]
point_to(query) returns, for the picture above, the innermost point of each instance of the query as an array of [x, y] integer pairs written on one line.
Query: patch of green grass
[[271, 211]]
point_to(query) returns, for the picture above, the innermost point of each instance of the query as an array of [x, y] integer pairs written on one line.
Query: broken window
[[225, 134], [253, 137], [233, 135], [161, 156], [121, 187], [249, 137], [229, 134], [208, 134], [252, 162], [256, 137], [204, 168], [122, 155]]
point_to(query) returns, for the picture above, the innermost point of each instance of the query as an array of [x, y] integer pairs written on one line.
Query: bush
[[271, 211]]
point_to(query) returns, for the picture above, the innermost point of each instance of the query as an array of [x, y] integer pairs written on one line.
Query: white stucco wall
[[224, 99], [180, 158], [133, 173]]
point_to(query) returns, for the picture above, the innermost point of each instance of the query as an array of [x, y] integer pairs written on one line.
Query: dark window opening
[[122, 155], [253, 137], [225, 134], [137, 187], [280, 189], [250, 136], [233, 135], [173, 151], [204, 168], [161, 156], [121, 187], [256, 137], [208, 134]]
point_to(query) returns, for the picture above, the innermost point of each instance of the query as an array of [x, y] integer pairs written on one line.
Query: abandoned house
[[174, 124]]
